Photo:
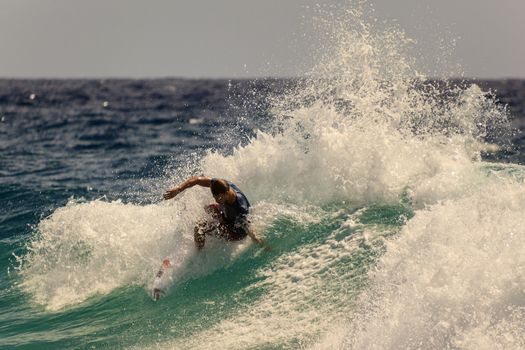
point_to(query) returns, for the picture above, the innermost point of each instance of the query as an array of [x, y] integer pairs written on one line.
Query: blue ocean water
[[393, 206]]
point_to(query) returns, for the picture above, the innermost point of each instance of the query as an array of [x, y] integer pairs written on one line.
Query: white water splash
[[88, 249], [454, 279]]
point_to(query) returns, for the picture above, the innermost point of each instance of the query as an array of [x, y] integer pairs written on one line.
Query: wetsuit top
[[235, 215]]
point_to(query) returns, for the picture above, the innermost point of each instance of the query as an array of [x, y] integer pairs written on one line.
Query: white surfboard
[[159, 285]]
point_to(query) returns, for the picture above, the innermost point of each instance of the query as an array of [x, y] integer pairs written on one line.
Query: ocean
[[393, 205]]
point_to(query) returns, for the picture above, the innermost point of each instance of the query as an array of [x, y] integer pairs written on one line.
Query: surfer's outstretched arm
[[203, 181], [258, 240]]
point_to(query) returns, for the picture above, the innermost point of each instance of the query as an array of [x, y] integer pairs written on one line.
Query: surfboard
[[159, 285]]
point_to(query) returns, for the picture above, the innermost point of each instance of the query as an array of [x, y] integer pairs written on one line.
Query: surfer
[[228, 216]]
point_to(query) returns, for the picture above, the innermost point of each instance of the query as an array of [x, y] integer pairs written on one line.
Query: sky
[[239, 38]]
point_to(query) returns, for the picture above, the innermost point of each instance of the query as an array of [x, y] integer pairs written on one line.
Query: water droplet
[[195, 121]]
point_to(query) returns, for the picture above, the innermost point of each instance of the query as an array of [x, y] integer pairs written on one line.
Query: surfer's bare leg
[[212, 209], [206, 227], [200, 231], [199, 235]]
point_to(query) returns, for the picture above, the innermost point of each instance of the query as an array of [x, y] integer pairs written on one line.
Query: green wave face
[[313, 275]]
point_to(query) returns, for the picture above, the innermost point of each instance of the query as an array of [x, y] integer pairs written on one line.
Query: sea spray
[[363, 125]]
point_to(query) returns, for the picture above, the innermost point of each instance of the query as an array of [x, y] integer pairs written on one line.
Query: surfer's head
[[219, 189]]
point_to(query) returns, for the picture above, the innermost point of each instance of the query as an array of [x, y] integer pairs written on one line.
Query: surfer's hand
[[267, 248], [171, 193], [265, 245]]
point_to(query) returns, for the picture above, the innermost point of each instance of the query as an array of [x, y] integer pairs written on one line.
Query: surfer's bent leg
[[199, 234], [199, 239], [213, 210], [205, 227]]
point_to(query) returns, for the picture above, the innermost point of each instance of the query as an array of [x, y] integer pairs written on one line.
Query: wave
[[93, 248], [388, 229], [452, 279]]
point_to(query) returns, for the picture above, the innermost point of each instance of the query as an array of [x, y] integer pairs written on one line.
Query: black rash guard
[[235, 215]]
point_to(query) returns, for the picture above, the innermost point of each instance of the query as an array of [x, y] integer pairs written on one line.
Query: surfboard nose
[[157, 294]]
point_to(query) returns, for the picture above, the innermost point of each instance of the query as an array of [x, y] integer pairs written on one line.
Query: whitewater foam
[[92, 248], [452, 279]]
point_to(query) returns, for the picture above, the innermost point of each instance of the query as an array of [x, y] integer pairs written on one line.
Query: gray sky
[[238, 38]]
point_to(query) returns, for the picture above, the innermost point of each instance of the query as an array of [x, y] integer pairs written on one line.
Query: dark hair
[[219, 187]]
